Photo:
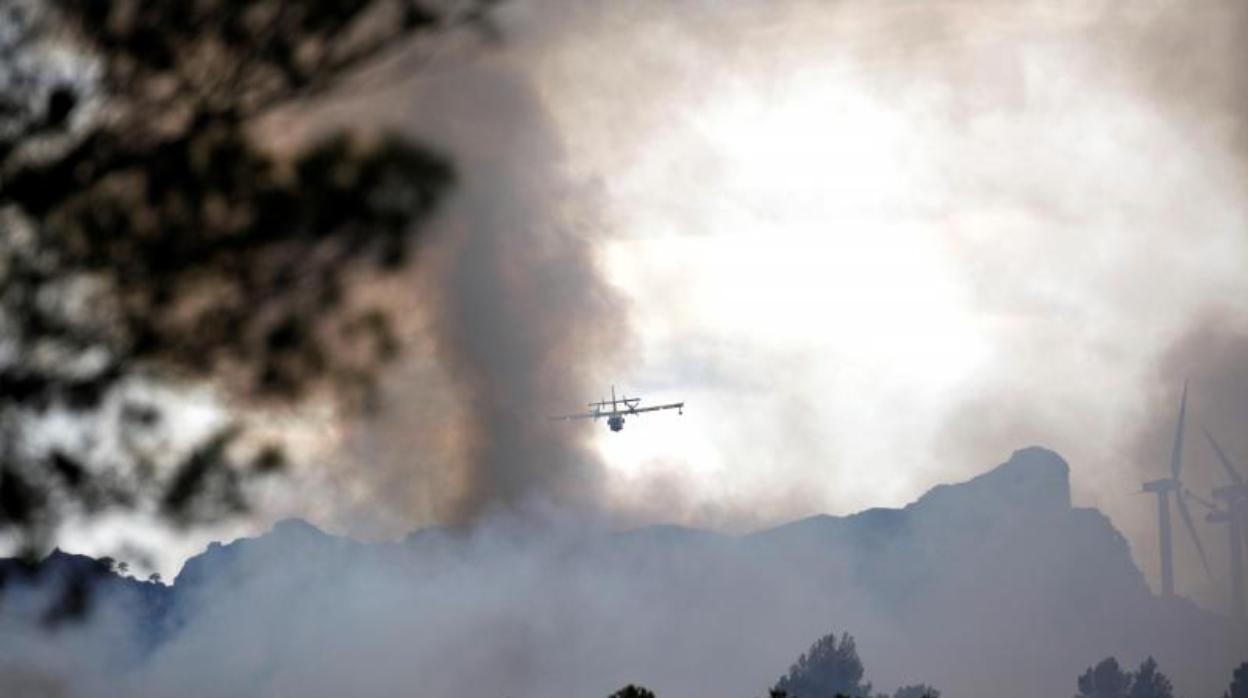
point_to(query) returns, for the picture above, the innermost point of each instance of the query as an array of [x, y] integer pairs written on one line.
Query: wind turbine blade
[[1176, 455], [1201, 500], [1226, 462], [1191, 530]]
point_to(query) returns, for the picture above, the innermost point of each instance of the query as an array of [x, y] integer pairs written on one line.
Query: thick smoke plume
[[509, 320], [520, 312]]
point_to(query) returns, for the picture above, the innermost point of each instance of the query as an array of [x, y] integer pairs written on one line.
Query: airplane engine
[[616, 423]]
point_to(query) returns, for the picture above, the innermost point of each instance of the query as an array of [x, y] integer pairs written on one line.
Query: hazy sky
[[874, 246], [877, 246]]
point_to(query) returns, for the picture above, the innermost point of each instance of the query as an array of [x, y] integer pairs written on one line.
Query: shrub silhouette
[[631, 691], [827, 669], [1239, 683], [1108, 680]]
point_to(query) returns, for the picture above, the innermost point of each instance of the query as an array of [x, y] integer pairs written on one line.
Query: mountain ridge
[[1000, 567]]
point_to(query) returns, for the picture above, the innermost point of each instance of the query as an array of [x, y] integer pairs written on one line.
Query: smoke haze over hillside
[[870, 243], [996, 586], [873, 245]]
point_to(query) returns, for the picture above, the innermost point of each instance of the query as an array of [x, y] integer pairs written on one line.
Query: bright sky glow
[[874, 312], [842, 250], [799, 264]]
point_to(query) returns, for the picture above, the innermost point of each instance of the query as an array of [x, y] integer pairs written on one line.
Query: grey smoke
[[509, 320], [521, 315], [1213, 355], [996, 586], [1085, 171], [1104, 140]]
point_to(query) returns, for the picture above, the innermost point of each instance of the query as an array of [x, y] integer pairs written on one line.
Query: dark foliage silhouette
[[1150, 683], [1105, 680], [832, 670], [1239, 683], [1108, 680], [827, 669], [631, 691], [147, 241]]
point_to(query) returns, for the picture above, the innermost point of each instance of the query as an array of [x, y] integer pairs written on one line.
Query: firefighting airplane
[[618, 408]]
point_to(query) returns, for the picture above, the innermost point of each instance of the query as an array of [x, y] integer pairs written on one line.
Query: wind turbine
[[1163, 488], [1234, 513]]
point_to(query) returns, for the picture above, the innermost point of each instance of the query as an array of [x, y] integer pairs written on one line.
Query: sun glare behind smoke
[[809, 146], [810, 258]]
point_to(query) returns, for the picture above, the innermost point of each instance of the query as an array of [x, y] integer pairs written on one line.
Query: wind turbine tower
[[1163, 488], [1234, 513]]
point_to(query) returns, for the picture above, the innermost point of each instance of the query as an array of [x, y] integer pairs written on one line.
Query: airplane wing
[[655, 408], [580, 415]]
